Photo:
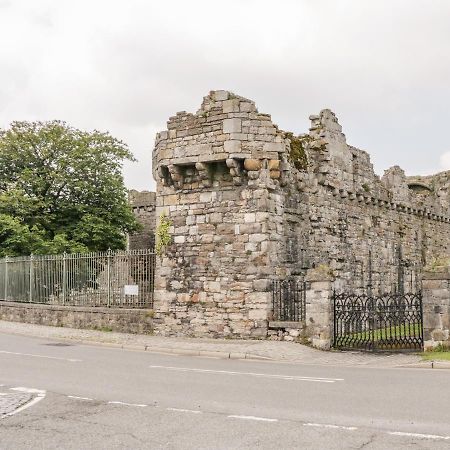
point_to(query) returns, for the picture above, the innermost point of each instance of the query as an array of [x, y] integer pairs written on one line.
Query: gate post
[[319, 306], [436, 307]]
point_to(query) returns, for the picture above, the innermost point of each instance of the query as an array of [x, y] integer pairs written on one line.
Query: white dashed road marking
[[325, 425], [261, 419], [40, 394], [39, 356], [127, 404], [418, 435], [193, 411], [79, 398], [253, 374]]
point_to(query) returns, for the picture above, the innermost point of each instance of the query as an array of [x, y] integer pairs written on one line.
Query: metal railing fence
[[289, 300], [123, 279]]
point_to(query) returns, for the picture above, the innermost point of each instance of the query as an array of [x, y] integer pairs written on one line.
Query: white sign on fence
[[131, 289]]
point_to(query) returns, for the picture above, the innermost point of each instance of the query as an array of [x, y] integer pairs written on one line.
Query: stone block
[[253, 164], [220, 96], [274, 164], [257, 314], [257, 237], [179, 239], [205, 197], [171, 200], [232, 146], [230, 106], [232, 125], [211, 286], [215, 218], [277, 147], [246, 107]]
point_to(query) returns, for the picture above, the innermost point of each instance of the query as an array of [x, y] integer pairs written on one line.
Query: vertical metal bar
[[64, 276], [334, 319], [30, 292], [108, 276], [6, 278], [401, 287]]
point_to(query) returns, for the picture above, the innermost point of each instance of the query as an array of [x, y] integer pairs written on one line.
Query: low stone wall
[[436, 308], [106, 319]]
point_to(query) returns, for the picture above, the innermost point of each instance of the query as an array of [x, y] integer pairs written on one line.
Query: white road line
[[326, 425], [418, 435], [253, 374], [261, 419], [79, 398], [127, 404], [40, 395], [193, 411], [39, 356], [28, 390]]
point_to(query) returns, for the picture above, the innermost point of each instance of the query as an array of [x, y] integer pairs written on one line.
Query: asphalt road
[[106, 398]]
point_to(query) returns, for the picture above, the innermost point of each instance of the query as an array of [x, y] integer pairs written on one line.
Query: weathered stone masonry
[[250, 203], [143, 205]]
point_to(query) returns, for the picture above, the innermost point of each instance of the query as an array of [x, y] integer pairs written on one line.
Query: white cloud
[[445, 161], [382, 66]]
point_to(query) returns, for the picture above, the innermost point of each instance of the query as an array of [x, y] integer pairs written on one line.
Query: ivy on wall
[[163, 237]]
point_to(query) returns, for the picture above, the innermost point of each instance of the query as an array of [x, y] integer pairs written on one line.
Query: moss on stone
[[297, 153]]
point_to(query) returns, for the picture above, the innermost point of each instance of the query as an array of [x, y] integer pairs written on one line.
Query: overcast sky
[[125, 66]]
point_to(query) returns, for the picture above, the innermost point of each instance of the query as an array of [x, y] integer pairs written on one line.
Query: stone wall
[[249, 203], [436, 307], [106, 319], [143, 204], [218, 193]]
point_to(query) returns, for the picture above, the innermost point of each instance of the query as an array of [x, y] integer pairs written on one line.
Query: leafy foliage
[[163, 238], [61, 189]]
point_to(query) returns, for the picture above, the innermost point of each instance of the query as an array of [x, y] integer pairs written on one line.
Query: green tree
[[61, 189]]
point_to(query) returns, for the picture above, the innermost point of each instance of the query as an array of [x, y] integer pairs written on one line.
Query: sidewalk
[[222, 348]]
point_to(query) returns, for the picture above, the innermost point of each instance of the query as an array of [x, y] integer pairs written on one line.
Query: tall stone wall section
[[143, 204], [215, 173], [249, 203], [370, 231]]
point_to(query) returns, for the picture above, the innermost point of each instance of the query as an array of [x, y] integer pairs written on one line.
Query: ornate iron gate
[[289, 300], [387, 322]]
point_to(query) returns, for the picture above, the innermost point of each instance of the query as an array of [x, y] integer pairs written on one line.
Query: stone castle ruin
[[249, 203], [143, 205]]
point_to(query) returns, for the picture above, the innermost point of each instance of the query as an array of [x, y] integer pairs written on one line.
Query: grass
[[380, 334], [439, 353], [434, 356]]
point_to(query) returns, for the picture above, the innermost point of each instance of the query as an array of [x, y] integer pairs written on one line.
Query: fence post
[[108, 258], [6, 278], [30, 298], [64, 281]]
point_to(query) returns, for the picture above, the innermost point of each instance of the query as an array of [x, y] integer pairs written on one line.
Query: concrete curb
[[174, 351], [221, 354], [437, 364], [145, 348]]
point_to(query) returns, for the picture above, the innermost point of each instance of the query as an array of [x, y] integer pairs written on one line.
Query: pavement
[[10, 401], [89, 396], [222, 348]]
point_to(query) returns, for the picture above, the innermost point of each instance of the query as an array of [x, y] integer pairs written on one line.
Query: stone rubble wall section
[[242, 214], [143, 204], [139, 321], [436, 308], [216, 174]]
